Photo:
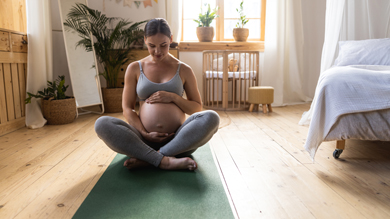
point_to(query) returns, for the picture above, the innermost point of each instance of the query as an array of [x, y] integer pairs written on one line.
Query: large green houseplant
[[111, 38], [57, 108], [204, 32]]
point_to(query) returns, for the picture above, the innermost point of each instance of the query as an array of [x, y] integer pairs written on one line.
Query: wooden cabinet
[[135, 55]]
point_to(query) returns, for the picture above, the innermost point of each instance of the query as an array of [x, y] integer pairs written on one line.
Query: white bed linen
[[343, 90], [372, 126], [242, 74]]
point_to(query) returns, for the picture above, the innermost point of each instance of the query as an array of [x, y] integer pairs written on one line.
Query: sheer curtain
[[39, 65], [350, 20], [283, 54], [173, 16]]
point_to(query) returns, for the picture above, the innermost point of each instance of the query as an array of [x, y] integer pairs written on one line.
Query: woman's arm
[[129, 98], [192, 104]]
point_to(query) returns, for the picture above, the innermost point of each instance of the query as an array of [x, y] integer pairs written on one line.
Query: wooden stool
[[261, 95]]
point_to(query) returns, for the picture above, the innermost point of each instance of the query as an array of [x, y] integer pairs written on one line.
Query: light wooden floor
[[48, 172]]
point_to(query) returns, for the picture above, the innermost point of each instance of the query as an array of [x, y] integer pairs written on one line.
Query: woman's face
[[158, 46]]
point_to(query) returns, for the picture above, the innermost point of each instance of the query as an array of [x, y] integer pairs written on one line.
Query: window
[[228, 17]]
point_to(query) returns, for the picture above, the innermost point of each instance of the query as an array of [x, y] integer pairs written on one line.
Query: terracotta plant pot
[[59, 112], [112, 100], [240, 34], [205, 34]]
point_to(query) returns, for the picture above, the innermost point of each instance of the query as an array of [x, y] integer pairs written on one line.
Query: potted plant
[[112, 41], [57, 108], [240, 33], [204, 32]]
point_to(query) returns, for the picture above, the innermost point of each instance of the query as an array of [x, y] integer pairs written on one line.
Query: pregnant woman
[[160, 135]]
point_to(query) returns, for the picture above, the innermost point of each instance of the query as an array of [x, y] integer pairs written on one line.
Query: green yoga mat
[[155, 193]]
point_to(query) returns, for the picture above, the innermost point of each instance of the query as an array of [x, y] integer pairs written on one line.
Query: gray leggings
[[123, 138]]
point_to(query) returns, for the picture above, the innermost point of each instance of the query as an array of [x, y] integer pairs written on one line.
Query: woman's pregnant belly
[[161, 117]]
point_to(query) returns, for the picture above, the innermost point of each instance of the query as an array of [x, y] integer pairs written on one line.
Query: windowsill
[[221, 45]]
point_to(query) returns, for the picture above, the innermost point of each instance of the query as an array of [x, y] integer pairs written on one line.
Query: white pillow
[[364, 52]]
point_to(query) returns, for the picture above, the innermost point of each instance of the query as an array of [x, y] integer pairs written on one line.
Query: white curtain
[[333, 23], [173, 12], [39, 65], [350, 20], [283, 54]]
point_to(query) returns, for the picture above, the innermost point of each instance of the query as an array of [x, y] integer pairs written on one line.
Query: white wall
[[112, 8], [194, 59]]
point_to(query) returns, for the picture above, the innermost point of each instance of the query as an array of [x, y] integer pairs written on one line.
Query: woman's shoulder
[[185, 68], [134, 66], [133, 69]]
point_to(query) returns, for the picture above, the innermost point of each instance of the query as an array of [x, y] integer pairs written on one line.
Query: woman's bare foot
[[173, 163], [134, 163]]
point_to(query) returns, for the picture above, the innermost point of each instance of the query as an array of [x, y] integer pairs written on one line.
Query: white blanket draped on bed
[[343, 90]]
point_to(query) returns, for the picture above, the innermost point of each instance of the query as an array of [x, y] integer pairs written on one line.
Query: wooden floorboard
[[48, 172]]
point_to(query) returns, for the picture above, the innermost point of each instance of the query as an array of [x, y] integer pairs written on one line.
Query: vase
[[205, 34], [240, 34]]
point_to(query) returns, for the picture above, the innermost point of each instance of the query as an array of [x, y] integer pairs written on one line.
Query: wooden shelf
[[222, 45]]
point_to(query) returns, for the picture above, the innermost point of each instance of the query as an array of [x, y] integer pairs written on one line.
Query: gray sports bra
[[145, 87]]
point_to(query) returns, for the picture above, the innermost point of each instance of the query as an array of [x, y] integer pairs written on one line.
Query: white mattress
[[240, 74]]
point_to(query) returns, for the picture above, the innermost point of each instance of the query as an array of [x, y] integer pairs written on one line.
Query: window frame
[[219, 23]]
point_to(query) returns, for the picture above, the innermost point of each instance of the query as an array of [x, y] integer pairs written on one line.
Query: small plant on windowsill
[[240, 33], [204, 32], [57, 108]]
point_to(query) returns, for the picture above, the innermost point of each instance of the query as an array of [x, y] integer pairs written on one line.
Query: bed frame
[[340, 146]]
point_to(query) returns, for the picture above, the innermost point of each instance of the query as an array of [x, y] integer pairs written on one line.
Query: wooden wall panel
[[17, 42], [16, 91], [6, 14], [8, 91], [4, 41], [3, 105], [13, 74], [13, 57], [19, 15], [13, 15], [22, 81]]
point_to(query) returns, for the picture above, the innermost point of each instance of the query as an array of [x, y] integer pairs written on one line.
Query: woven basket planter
[[112, 100], [240, 34], [205, 34], [59, 112]]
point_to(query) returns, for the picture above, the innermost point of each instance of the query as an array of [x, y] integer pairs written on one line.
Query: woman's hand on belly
[[158, 137], [161, 97], [161, 117]]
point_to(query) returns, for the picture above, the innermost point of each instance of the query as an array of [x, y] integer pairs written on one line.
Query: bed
[[352, 99]]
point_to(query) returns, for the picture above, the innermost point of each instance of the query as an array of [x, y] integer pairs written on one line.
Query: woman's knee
[[103, 124], [211, 117]]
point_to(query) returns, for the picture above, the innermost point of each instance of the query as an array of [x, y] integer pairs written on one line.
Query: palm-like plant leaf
[[112, 37]]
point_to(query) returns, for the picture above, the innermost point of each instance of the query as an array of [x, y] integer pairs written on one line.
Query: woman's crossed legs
[[121, 137]]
